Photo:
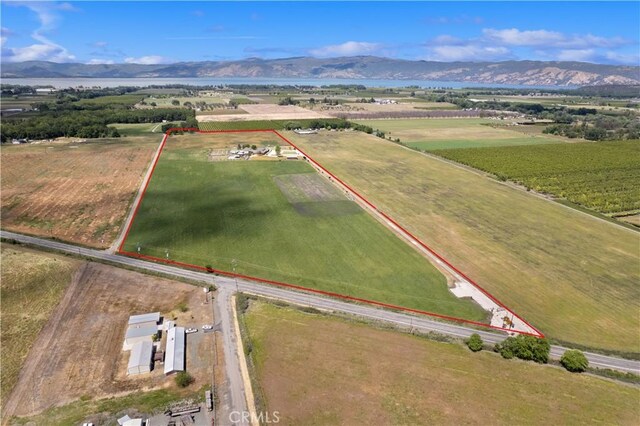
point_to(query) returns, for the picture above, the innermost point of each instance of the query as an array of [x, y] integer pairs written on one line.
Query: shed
[[174, 354], [140, 359], [144, 319], [140, 334]]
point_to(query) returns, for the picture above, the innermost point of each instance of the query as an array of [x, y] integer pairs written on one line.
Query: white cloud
[[100, 44], [350, 48], [580, 55], [37, 52], [147, 60], [622, 58], [550, 39], [46, 50], [470, 52], [101, 62]]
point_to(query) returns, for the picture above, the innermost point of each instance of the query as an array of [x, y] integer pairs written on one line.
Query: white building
[[144, 319], [174, 354], [139, 334], [140, 359]]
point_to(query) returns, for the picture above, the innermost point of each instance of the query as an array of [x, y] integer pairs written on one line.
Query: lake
[[63, 83]]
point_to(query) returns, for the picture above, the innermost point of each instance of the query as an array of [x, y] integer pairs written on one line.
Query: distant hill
[[508, 72]]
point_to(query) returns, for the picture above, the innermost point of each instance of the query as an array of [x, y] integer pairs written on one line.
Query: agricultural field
[[124, 100], [31, 285], [570, 275], [387, 377], [258, 124], [257, 112], [442, 133], [279, 220], [77, 192], [602, 176], [92, 315], [137, 129]]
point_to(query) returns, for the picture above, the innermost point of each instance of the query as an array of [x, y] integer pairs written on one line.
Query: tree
[[574, 360], [278, 149], [183, 379], [175, 102], [528, 348], [475, 342]]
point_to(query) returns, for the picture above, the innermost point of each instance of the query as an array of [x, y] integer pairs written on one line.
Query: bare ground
[[79, 352]]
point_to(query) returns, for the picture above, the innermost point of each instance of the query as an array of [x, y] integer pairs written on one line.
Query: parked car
[[191, 330], [207, 327]]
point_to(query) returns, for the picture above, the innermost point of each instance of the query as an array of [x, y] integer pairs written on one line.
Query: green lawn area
[[32, 284], [602, 176], [321, 370], [572, 276], [442, 133], [279, 221], [137, 129]]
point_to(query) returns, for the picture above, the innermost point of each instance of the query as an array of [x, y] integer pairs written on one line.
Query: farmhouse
[[174, 354], [141, 358]]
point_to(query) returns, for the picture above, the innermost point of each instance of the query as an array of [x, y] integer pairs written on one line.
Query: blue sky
[[164, 32]]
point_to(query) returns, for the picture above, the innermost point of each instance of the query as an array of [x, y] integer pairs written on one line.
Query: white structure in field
[[144, 319], [139, 334], [174, 354], [141, 358]]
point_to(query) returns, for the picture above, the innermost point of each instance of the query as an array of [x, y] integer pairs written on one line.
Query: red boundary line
[[298, 287]]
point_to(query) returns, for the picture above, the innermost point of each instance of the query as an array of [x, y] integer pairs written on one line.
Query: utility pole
[[233, 265]]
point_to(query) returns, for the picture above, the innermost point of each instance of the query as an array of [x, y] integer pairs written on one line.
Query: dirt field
[[266, 112], [79, 353], [319, 370], [77, 192], [32, 283]]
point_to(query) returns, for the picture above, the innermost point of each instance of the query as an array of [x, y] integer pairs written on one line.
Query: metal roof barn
[[174, 355], [148, 330], [143, 318], [140, 360]]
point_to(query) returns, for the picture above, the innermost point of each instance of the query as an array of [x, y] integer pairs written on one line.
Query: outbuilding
[[141, 358], [140, 334], [144, 319], [174, 354]]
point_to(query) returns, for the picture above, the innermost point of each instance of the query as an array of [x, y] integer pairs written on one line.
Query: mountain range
[[356, 67]]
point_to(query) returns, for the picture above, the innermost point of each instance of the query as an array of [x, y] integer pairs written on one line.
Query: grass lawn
[[31, 286], [433, 133], [572, 276], [280, 221], [320, 370], [603, 176]]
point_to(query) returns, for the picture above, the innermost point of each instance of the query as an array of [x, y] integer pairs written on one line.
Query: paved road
[[419, 323], [232, 392]]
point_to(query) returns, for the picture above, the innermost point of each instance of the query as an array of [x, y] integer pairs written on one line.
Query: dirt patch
[[74, 192], [312, 195], [79, 353]]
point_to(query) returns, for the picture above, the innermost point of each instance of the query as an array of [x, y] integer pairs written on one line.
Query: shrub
[[183, 379], [475, 342], [528, 348], [574, 360], [182, 307]]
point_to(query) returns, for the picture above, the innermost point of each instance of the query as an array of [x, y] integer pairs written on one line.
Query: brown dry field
[[266, 112], [201, 143], [321, 370], [572, 276], [77, 192], [79, 352]]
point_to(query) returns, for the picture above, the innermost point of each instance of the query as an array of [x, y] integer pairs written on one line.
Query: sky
[[169, 31]]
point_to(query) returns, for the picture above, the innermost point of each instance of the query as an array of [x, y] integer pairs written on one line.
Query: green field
[[259, 124], [603, 176], [442, 133], [137, 129], [130, 99], [32, 284], [353, 374], [571, 275], [280, 221]]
